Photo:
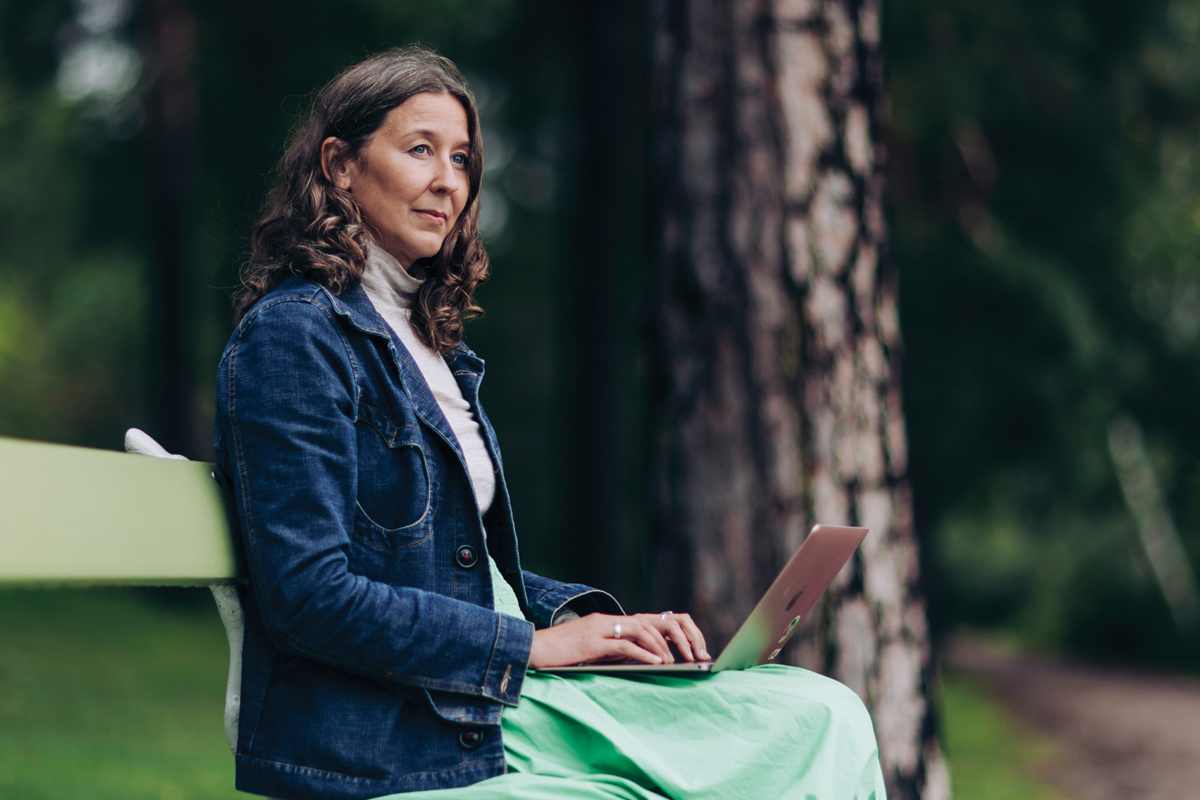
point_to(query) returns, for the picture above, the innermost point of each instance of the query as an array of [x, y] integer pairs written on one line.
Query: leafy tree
[[1043, 220]]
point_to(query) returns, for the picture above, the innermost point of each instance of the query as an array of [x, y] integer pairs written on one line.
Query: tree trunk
[[169, 37], [777, 391]]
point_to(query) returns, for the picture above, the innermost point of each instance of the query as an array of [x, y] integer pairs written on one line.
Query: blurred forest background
[[1044, 212]]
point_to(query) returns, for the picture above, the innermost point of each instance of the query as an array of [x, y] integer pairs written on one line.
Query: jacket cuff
[[591, 601], [546, 605], [510, 658]]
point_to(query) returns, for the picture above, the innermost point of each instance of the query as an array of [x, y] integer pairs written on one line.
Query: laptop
[[762, 636]]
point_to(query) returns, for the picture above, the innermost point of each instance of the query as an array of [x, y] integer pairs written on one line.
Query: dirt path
[[1124, 735]]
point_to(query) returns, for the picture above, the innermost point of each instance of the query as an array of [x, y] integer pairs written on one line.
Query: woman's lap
[[768, 732]]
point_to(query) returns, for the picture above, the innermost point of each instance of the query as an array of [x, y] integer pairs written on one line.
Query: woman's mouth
[[433, 216]]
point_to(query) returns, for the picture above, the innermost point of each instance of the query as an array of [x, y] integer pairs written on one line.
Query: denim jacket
[[373, 661]]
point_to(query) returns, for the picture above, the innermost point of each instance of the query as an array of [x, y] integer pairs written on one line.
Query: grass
[[115, 695], [111, 695], [992, 756]]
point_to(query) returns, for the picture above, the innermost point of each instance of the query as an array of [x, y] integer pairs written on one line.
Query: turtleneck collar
[[385, 278]]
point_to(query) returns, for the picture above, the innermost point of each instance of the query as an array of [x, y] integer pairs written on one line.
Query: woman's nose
[[445, 178]]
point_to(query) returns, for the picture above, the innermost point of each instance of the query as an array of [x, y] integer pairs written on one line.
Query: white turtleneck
[[391, 287]]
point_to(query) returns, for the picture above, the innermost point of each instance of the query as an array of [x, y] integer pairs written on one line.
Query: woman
[[390, 630]]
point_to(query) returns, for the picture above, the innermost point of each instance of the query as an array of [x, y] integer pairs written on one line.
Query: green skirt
[[758, 734], [768, 733]]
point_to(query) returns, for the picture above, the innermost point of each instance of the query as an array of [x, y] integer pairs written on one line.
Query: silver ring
[[617, 631], [663, 615]]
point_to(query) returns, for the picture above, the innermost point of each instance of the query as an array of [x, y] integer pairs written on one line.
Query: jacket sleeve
[[550, 599], [287, 405]]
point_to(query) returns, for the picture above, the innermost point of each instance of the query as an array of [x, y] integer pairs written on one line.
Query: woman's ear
[[337, 168]]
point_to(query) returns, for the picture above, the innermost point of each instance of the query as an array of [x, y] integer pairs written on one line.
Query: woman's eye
[[460, 159], [421, 150]]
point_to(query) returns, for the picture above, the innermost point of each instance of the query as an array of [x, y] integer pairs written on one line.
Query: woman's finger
[[672, 630], [694, 636], [626, 650], [684, 642], [638, 630], [683, 633]]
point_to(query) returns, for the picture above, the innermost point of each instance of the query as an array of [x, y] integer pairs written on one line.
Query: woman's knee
[[840, 704]]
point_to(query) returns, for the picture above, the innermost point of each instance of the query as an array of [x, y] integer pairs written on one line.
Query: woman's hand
[[603, 637]]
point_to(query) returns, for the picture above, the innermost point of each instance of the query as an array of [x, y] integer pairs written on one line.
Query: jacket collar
[[359, 311], [356, 308]]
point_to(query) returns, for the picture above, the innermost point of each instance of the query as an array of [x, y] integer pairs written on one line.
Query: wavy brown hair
[[313, 229]]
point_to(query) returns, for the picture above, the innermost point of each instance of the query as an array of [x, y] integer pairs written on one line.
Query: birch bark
[[776, 362]]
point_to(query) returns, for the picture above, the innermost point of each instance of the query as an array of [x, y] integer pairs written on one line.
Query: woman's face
[[410, 178]]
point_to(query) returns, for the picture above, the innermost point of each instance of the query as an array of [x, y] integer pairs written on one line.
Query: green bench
[[74, 516]]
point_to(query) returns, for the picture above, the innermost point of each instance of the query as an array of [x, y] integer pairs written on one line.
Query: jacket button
[[466, 556], [470, 738]]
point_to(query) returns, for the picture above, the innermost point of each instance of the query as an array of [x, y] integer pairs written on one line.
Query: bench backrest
[[73, 515]]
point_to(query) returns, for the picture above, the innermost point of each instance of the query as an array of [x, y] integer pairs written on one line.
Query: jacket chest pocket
[[395, 483]]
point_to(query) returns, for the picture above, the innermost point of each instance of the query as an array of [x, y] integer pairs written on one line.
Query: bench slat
[[73, 515]]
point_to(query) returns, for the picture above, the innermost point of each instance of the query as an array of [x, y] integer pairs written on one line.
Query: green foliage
[[1044, 223], [71, 309]]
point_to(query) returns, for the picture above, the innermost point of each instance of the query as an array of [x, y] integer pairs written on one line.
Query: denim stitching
[[342, 776]]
